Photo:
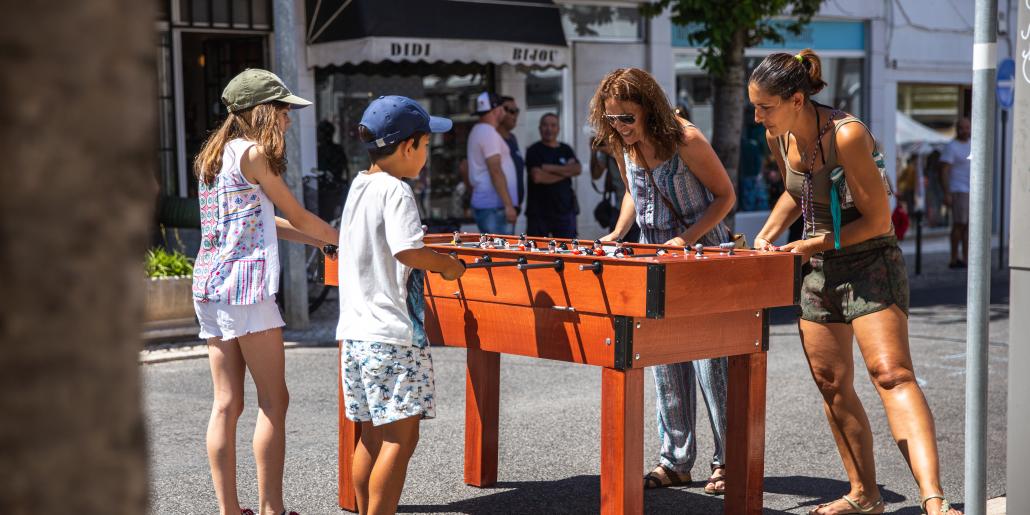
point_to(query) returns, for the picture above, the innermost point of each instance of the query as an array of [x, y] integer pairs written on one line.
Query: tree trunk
[[76, 196], [728, 111]]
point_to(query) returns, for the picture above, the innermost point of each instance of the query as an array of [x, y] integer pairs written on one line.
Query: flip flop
[[945, 505], [859, 509], [652, 480]]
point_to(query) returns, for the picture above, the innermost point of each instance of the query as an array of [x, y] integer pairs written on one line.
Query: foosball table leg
[[349, 434], [622, 441], [745, 434], [482, 404]]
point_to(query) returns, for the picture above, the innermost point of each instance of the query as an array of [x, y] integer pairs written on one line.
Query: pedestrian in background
[[491, 170], [551, 208], [855, 284], [679, 193], [504, 128], [236, 276], [386, 367], [606, 167], [955, 180]]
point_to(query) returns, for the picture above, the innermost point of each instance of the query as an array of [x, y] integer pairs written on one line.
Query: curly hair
[[663, 130], [259, 124]]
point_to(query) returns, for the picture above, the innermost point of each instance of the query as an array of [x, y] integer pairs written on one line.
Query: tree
[[76, 203], [723, 30]]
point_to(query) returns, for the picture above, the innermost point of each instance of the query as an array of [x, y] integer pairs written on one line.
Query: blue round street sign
[[1006, 88]]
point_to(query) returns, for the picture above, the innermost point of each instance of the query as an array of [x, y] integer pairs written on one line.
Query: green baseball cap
[[255, 86]]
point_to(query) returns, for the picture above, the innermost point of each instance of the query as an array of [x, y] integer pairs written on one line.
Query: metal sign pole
[[979, 290]]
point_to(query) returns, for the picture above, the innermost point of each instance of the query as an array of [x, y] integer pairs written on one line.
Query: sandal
[[652, 480], [945, 505], [718, 475], [859, 509]]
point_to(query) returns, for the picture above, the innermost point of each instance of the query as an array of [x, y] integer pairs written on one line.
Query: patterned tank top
[[685, 192], [238, 262]]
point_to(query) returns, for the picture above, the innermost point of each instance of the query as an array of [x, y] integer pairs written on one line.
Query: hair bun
[[814, 66]]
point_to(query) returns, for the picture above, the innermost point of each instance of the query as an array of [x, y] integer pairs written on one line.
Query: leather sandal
[[859, 509], [652, 480], [945, 505], [718, 474]]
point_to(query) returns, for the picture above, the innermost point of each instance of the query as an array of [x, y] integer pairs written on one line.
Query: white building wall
[[592, 61]]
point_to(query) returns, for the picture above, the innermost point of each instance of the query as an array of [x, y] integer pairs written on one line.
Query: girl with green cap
[[236, 276]]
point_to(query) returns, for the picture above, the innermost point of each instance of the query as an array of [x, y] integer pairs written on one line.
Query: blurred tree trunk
[[76, 194], [729, 104]]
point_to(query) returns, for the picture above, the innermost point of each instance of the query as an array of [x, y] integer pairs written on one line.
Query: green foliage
[[161, 263], [719, 24]]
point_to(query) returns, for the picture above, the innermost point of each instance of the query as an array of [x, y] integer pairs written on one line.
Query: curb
[[164, 353]]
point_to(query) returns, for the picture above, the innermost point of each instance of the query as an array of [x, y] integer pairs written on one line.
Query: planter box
[[168, 308]]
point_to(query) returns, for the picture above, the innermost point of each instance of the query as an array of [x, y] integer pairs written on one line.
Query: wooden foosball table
[[618, 307]]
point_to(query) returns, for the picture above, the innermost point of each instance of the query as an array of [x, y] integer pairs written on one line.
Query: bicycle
[[323, 194]]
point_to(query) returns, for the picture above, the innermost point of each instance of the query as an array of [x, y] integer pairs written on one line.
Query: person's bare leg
[[391, 465], [883, 340], [828, 350], [227, 370], [264, 355], [364, 459], [964, 229], [955, 236]]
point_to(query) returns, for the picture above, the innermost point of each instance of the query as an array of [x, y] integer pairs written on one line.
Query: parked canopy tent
[[525, 33], [908, 132]]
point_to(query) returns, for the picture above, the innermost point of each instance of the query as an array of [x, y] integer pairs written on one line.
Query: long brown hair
[[637, 86], [259, 124]]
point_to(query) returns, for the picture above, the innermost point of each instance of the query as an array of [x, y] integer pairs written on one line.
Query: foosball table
[[621, 307]]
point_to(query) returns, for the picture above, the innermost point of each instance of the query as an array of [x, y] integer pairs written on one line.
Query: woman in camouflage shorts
[[855, 281]]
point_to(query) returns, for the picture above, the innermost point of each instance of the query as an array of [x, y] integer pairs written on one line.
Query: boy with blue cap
[[387, 376]]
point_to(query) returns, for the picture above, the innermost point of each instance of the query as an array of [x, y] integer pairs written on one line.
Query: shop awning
[[518, 32]]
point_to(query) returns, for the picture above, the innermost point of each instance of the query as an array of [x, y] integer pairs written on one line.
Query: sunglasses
[[512, 110], [625, 118]]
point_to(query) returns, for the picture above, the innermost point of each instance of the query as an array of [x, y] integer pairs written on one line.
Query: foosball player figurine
[[699, 250], [598, 249], [563, 246], [522, 241], [552, 246], [456, 239], [531, 245], [483, 239]]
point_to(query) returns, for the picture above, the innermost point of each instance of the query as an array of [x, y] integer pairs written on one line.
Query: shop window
[[168, 173], [758, 185], [343, 96], [602, 22], [240, 14]]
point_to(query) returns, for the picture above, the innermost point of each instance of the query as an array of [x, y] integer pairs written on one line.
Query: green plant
[[161, 263]]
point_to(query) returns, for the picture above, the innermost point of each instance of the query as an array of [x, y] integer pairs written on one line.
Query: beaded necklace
[[807, 196]]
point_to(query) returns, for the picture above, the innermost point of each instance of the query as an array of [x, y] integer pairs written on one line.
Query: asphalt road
[[550, 428]]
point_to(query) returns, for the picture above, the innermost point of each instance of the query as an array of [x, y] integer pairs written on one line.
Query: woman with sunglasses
[[678, 192], [855, 282]]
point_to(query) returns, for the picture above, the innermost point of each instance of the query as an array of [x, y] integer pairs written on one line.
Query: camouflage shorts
[[840, 286]]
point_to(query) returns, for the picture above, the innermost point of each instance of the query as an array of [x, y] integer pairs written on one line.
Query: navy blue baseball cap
[[395, 118]]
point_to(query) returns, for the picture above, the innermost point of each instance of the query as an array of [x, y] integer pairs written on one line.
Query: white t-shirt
[[380, 220], [956, 153], [484, 141]]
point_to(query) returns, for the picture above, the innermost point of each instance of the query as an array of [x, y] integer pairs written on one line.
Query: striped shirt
[[683, 190]]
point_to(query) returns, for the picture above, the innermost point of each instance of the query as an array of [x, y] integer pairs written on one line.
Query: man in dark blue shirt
[[551, 206], [504, 128]]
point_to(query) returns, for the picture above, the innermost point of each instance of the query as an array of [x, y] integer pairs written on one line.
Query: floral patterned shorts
[[384, 383]]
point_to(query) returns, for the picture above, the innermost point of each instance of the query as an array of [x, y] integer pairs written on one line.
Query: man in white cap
[[491, 170]]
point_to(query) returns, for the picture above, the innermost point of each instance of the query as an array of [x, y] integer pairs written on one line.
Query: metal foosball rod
[[487, 262], [595, 267]]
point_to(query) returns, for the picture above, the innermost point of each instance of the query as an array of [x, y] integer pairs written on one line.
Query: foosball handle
[[557, 264], [595, 267]]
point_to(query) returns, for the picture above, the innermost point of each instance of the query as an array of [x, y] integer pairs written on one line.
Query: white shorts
[[227, 321]]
